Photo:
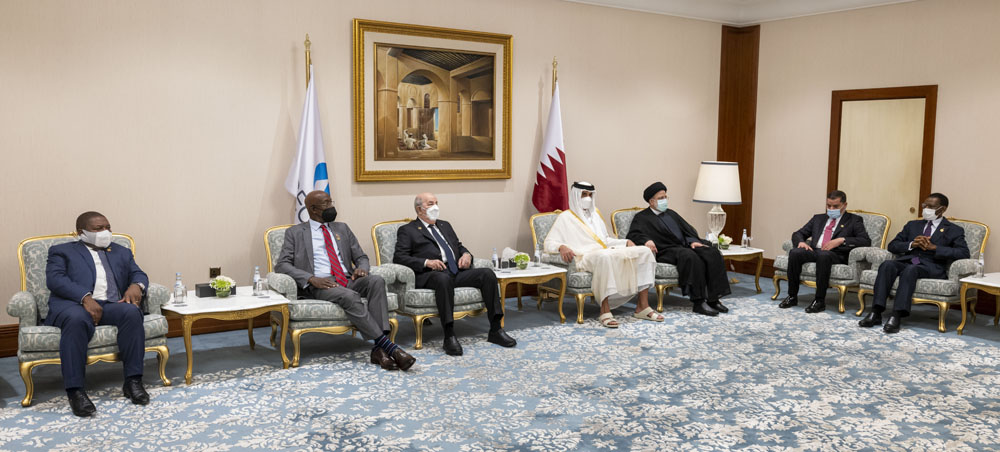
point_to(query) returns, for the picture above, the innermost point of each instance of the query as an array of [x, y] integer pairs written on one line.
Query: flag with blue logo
[[308, 171]]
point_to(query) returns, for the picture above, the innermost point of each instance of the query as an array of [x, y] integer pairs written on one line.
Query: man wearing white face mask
[[431, 248], [96, 282], [620, 269], [701, 270], [926, 247], [827, 239]]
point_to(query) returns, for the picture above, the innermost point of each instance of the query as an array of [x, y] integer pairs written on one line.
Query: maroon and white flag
[[550, 191]]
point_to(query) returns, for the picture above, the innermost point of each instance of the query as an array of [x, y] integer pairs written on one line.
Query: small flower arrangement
[[222, 285], [724, 241], [522, 259]]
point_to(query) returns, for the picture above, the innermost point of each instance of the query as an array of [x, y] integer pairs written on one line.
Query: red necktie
[[828, 232], [336, 268]]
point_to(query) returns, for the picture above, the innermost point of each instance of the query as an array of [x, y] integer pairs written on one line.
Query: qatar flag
[[550, 191]]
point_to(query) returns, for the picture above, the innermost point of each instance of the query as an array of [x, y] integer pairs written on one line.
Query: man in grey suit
[[320, 255]]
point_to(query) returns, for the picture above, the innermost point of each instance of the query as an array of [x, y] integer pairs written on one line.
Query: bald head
[[316, 202], [423, 202]]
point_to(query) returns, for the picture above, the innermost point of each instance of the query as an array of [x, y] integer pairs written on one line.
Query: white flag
[[308, 171]]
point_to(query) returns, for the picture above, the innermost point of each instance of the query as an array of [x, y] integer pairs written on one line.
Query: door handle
[[913, 210]]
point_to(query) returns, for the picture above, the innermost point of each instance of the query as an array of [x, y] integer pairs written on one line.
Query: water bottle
[[538, 255], [179, 291], [744, 242], [496, 260], [256, 281], [981, 267]]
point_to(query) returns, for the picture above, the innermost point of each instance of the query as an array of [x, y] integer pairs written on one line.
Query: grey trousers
[[371, 319]]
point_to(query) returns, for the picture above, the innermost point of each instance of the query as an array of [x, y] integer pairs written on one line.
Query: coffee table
[[989, 283], [737, 253], [531, 275], [241, 305]]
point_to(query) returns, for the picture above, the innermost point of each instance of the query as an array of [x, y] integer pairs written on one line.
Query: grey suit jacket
[[296, 258]]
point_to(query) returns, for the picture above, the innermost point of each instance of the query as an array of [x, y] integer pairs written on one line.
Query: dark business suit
[[70, 275], [415, 245], [297, 260], [702, 271], [851, 228], [950, 241]]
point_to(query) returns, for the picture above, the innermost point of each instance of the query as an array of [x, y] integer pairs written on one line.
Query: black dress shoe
[[501, 338], [892, 325], [718, 306], [135, 392], [81, 404], [452, 346], [403, 360], [379, 357], [788, 302], [703, 308], [816, 306], [873, 318]]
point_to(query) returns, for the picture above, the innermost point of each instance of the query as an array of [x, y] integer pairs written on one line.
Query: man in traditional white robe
[[620, 269]]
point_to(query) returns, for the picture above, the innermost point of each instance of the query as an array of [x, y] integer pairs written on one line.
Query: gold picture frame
[[430, 103]]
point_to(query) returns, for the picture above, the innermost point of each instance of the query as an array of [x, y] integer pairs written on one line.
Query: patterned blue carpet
[[759, 378]]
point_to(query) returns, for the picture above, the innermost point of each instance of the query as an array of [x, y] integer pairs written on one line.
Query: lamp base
[[716, 221]]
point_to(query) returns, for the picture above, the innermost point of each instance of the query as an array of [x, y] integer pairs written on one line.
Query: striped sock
[[386, 345]]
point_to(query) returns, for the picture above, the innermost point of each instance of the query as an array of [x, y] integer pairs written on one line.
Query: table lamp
[[718, 184]]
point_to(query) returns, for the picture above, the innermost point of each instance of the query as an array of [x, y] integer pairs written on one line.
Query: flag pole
[[308, 59], [554, 76]]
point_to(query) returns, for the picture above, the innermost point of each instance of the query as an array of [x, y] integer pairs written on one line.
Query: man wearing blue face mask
[[96, 282], [701, 269], [827, 239], [926, 247]]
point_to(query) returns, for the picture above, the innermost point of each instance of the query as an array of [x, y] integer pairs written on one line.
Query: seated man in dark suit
[[431, 248], [320, 254], [826, 239], [927, 248], [96, 282], [702, 272]]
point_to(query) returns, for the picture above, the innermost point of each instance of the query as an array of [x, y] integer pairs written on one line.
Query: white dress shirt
[[444, 256], [321, 261], [100, 279]]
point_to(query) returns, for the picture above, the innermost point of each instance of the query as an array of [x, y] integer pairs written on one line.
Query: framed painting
[[430, 103]]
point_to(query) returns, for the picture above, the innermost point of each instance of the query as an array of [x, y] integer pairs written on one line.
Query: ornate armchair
[[38, 344], [312, 316], [843, 277], [419, 304], [666, 276], [940, 292]]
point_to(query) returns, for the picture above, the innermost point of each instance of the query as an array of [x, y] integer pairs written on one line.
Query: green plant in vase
[[522, 259], [223, 286], [724, 241]]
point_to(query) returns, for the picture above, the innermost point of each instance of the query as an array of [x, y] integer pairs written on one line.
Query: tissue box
[[203, 290]]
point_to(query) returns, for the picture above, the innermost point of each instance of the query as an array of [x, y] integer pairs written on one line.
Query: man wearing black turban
[[702, 272]]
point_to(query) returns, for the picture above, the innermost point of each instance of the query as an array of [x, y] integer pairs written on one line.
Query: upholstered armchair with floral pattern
[[843, 277], [38, 344], [419, 304], [939, 292], [308, 315], [666, 276]]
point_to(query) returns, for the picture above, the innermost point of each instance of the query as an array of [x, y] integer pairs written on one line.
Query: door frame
[[926, 92]]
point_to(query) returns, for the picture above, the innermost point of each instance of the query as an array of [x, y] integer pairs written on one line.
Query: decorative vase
[[522, 265], [222, 293], [723, 246]]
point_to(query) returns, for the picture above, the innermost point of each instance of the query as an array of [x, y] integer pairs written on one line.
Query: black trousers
[[702, 272], [824, 262], [908, 273], [443, 283]]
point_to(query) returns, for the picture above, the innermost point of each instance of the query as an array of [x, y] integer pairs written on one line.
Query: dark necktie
[[109, 276], [672, 226], [927, 232], [448, 253], [336, 268]]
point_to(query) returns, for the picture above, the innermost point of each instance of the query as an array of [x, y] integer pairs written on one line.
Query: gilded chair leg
[[296, 347], [562, 317], [250, 333], [777, 288], [393, 329], [418, 329], [843, 295], [942, 312], [861, 301], [162, 355], [29, 385], [274, 332], [580, 299], [659, 297]]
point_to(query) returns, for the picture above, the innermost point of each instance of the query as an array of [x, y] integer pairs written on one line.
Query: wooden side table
[[530, 275], [737, 253], [989, 283]]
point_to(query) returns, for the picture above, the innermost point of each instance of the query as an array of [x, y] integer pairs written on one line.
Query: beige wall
[[951, 44], [178, 119]]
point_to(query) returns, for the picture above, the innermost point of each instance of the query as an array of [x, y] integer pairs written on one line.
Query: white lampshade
[[718, 183]]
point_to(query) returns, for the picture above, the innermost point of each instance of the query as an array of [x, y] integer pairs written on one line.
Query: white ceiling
[[739, 12]]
